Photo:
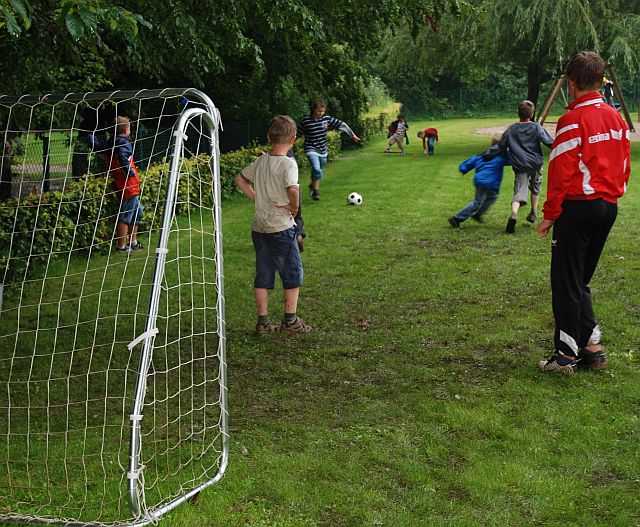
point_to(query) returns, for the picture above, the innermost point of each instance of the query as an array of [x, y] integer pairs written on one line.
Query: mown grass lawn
[[416, 400]]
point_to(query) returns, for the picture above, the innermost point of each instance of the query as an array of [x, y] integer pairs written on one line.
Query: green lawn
[[416, 400]]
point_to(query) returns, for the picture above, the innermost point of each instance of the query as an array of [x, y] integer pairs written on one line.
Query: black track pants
[[579, 235]]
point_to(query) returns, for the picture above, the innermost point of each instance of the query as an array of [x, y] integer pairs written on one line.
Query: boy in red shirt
[[119, 157], [589, 169], [429, 138]]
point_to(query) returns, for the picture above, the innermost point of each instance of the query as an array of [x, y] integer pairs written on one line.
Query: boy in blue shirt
[[487, 179]]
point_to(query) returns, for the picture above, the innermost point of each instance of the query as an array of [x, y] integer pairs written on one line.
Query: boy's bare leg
[[122, 229], [534, 202], [291, 300], [133, 238], [292, 323], [262, 301], [515, 207]]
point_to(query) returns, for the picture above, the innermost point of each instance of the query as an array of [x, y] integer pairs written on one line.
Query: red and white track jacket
[[590, 156]]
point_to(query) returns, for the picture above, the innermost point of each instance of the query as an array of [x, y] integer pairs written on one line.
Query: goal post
[[113, 392]]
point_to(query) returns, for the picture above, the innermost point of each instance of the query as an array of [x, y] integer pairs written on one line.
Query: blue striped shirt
[[315, 132]]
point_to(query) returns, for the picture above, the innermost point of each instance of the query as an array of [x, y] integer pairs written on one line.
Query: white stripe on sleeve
[[566, 129], [565, 147]]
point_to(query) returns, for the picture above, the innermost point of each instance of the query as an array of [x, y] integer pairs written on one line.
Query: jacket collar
[[588, 98]]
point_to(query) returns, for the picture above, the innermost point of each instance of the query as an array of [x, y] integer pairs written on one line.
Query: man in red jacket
[[588, 171]]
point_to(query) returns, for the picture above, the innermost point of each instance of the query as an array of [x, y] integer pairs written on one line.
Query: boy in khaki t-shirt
[[271, 181]]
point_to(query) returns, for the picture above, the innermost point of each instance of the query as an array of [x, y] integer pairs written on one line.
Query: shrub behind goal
[[113, 390]]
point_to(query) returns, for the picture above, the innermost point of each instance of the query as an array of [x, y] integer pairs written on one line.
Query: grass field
[[416, 400]]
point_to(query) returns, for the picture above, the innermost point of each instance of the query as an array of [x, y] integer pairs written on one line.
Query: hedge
[[41, 226]]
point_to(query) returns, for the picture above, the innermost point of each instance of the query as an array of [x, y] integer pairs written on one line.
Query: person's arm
[[468, 164], [125, 156], [245, 186], [344, 127], [563, 165], [293, 194], [544, 137], [437, 140], [93, 142]]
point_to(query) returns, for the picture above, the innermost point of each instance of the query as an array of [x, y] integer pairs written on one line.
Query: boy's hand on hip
[[293, 210]]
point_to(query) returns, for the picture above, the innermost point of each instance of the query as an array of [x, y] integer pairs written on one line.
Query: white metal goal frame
[[204, 118]]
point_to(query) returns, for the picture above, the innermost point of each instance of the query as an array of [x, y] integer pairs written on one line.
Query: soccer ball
[[354, 199]]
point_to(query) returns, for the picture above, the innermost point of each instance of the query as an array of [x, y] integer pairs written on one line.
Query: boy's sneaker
[[265, 328], [559, 363], [137, 247], [477, 218], [315, 195], [532, 216], [511, 224], [297, 326], [300, 241], [387, 150], [454, 222], [589, 360]]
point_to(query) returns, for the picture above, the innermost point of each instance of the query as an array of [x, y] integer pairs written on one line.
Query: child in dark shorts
[[118, 155], [271, 181]]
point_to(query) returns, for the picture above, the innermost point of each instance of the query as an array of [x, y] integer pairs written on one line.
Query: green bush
[[40, 226]]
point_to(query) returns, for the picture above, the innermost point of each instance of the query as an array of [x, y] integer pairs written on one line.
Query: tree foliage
[[499, 41], [260, 57], [255, 57]]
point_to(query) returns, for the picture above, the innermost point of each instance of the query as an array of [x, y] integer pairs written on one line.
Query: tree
[[255, 57], [494, 44]]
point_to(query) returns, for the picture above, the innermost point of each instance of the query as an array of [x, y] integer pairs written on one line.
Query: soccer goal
[[113, 396]]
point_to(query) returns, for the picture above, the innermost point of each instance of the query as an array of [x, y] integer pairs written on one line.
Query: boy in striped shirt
[[314, 127]]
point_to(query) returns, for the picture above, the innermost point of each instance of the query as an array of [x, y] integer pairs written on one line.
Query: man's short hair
[[122, 124], [318, 103], [586, 70], [526, 109], [281, 129]]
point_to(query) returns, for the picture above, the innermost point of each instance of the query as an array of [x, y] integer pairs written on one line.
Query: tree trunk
[[533, 82]]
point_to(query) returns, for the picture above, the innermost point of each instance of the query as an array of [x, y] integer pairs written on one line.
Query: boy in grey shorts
[[271, 181], [523, 142]]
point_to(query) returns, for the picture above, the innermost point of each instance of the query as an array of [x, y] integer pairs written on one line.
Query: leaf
[[74, 24], [89, 19], [13, 27], [19, 8]]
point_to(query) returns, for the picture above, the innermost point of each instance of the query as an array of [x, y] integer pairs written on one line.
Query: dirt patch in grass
[[549, 126]]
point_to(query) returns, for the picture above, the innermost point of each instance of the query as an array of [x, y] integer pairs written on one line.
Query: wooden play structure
[[557, 90]]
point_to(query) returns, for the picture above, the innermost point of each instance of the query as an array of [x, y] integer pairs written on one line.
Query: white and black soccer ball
[[354, 199]]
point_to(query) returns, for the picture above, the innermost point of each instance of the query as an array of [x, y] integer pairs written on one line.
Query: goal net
[[113, 403]]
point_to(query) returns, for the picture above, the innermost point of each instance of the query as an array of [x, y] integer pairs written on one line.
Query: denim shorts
[[131, 211], [277, 252]]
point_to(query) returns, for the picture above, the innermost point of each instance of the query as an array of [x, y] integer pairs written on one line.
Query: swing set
[[558, 89]]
